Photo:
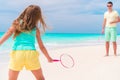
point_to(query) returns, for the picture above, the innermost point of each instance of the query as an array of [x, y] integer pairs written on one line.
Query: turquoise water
[[67, 38], [60, 39], [55, 41]]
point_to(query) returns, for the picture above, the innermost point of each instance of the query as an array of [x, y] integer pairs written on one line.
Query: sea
[[61, 40], [58, 40]]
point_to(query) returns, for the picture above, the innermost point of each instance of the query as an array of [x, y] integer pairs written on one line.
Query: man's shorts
[[24, 58], [110, 34]]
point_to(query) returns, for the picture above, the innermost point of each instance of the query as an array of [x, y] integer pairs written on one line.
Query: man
[[110, 28]]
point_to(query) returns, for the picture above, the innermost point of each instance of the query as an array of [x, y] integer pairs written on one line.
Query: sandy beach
[[90, 64]]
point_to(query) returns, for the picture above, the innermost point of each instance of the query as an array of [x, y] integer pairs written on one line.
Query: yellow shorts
[[24, 58]]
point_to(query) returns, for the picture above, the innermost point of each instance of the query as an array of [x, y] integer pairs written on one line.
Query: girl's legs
[[13, 75], [38, 74]]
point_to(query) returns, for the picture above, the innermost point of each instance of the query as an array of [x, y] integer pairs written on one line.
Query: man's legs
[[107, 48], [107, 39], [115, 48], [113, 38]]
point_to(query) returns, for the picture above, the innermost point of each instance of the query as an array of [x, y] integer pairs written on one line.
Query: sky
[[62, 16]]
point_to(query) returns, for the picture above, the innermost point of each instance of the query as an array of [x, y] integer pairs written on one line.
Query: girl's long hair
[[28, 20]]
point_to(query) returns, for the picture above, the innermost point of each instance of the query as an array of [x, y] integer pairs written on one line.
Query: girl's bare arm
[[41, 46], [7, 34]]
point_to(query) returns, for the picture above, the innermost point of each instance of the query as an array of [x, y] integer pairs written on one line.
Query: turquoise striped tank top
[[25, 41]]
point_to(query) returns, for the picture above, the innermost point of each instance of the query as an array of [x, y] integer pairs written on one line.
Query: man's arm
[[116, 21], [103, 25]]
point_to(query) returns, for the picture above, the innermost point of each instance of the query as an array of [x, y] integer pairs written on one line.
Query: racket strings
[[67, 61]]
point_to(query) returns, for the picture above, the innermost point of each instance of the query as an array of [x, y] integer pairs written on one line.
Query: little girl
[[24, 30]]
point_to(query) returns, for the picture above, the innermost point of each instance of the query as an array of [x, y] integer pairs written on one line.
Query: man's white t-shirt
[[110, 16]]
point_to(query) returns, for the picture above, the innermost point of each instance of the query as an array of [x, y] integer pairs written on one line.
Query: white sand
[[90, 64]]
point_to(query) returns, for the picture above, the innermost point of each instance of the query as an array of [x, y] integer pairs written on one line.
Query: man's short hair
[[110, 3]]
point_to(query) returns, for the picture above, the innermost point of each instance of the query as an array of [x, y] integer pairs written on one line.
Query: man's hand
[[103, 31]]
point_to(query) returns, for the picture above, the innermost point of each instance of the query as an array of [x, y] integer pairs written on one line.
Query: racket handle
[[55, 60]]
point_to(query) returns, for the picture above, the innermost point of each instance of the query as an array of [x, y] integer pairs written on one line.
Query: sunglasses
[[109, 5]]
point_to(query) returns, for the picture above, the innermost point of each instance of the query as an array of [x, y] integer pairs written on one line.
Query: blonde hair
[[28, 20]]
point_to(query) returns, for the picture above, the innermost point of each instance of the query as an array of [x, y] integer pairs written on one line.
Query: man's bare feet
[[106, 55], [115, 54]]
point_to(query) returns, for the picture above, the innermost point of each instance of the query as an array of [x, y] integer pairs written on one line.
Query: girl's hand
[[50, 59]]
